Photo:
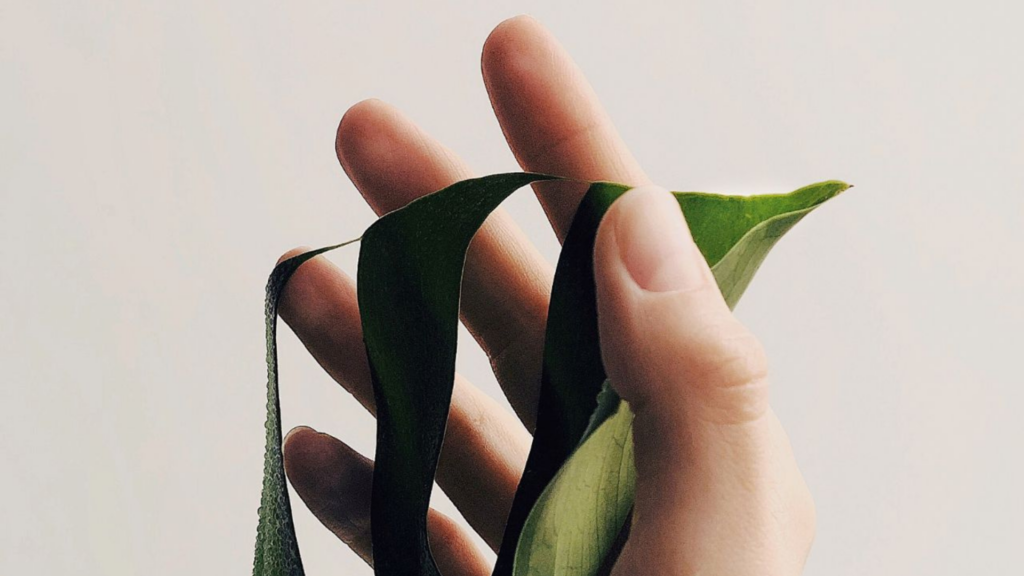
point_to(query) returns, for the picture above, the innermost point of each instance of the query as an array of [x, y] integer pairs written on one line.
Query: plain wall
[[156, 159]]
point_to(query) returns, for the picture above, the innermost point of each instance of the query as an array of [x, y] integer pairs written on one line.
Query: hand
[[718, 491]]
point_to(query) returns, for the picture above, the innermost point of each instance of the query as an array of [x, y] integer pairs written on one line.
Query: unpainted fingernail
[[655, 244]]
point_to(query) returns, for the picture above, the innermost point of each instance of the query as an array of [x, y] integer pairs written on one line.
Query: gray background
[[158, 157]]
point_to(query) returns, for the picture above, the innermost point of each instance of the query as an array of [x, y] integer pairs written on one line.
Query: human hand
[[718, 490]]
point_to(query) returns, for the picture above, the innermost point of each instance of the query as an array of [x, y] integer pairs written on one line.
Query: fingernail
[[654, 242]]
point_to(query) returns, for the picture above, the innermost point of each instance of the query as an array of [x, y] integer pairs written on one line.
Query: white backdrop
[[156, 158]]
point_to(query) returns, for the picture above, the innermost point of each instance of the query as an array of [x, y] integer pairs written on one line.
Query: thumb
[[670, 343], [711, 460]]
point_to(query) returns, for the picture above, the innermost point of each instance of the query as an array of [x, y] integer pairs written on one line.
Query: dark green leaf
[[277, 551], [409, 277]]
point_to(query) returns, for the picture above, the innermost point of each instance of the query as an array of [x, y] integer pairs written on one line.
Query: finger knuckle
[[730, 369], [729, 356]]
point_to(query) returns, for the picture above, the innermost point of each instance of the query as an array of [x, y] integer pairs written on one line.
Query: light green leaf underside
[[582, 514]]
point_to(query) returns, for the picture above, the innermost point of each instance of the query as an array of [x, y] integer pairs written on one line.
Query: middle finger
[[551, 116]]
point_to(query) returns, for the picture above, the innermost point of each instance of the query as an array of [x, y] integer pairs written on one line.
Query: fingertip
[[511, 44], [550, 115], [302, 452], [364, 132], [390, 159], [323, 469], [298, 430], [358, 119], [302, 304], [334, 481], [292, 253], [283, 305]]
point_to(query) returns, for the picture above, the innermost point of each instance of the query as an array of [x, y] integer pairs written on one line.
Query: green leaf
[[582, 513], [735, 233], [277, 550], [572, 370], [409, 276], [579, 515], [409, 279]]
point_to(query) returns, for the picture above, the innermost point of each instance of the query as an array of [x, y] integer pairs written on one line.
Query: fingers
[[551, 117], [484, 448], [506, 284], [335, 482], [714, 470]]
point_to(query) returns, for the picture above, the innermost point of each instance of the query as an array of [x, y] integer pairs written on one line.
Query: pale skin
[[718, 489]]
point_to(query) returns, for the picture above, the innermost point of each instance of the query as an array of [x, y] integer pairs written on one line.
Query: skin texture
[[718, 489]]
